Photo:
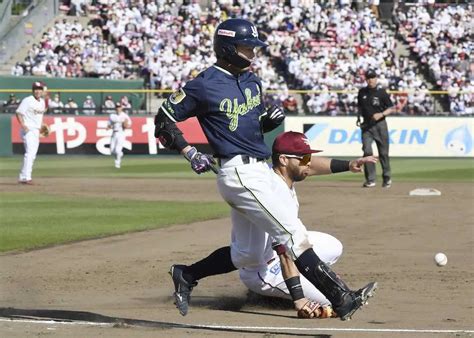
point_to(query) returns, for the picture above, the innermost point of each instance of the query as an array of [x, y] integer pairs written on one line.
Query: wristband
[[338, 166], [280, 249], [190, 154], [294, 286]]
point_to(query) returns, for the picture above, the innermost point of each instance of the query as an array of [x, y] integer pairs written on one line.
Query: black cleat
[[354, 300], [183, 288]]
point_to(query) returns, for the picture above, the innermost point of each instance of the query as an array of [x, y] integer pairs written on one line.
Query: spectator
[[457, 107], [12, 101], [55, 105], [125, 102], [11, 104], [17, 69], [290, 105], [88, 106], [332, 107], [374, 7], [154, 70], [71, 106], [109, 105]]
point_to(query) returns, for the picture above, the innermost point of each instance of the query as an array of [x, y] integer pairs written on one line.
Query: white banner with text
[[409, 136]]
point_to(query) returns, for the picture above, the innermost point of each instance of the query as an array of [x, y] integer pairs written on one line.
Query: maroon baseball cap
[[37, 85], [292, 143]]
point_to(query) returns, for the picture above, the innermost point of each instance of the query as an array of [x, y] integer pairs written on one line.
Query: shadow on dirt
[[82, 316]]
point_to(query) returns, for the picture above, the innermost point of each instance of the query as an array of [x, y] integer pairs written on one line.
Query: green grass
[[29, 220], [32, 220], [403, 169], [101, 166], [420, 169]]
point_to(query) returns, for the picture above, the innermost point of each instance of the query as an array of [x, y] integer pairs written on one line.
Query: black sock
[[217, 263]]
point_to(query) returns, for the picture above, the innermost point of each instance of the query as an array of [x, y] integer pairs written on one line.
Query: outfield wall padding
[[5, 135], [95, 88]]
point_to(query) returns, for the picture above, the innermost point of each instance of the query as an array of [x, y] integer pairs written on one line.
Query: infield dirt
[[388, 236]]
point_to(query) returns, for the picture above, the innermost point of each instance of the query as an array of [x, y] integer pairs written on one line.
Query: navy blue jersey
[[228, 108]]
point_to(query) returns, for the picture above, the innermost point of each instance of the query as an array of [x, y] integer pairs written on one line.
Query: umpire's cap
[[38, 85], [370, 74], [292, 143], [234, 32]]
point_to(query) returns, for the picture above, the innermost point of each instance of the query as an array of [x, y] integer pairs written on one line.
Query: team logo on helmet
[[177, 96], [226, 32], [254, 32]]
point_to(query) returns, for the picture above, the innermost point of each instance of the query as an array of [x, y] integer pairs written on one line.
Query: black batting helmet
[[231, 33]]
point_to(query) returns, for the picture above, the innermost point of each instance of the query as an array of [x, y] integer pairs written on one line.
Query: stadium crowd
[[328, 48], [442, 40], [324, 47]]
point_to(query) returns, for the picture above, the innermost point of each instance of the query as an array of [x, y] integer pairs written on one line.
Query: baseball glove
[[314, 310], [44, 130]]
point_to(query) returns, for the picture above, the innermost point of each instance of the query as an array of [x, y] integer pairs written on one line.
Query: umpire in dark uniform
[[374, 105]]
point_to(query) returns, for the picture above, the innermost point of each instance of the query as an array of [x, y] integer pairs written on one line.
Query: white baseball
[[441, 259]]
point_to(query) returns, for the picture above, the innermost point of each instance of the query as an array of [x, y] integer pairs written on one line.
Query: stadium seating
[[323, 48], [441, 41]]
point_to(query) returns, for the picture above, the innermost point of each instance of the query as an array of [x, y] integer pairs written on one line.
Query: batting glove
[[272, 118], [200, 162], [276, 115]]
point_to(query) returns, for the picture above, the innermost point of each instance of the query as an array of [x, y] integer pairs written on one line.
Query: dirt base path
[[388, 236]]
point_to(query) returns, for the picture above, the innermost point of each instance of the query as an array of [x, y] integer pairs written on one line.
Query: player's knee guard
[[321, 276]]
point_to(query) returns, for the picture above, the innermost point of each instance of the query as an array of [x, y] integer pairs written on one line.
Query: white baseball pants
[[116, 145], [31, 143], [261, 202], [267, 279]]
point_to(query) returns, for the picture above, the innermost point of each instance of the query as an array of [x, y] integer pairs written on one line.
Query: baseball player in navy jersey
[[30, 116], [227, 100], [118, 122]]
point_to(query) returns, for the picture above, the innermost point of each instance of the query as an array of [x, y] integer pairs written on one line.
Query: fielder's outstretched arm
[[326, 166]]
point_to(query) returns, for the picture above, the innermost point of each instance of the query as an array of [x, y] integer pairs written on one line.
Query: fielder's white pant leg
[[254, 191], [119, 139], [327, 247], [114, 148], [120, 143], [113, 143], [267, 279], [31, 143]]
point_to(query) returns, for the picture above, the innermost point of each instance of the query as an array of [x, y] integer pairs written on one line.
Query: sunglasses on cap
[[304, 160]]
